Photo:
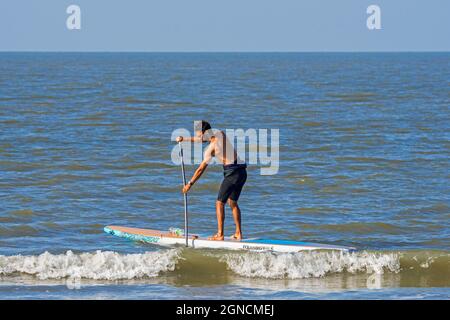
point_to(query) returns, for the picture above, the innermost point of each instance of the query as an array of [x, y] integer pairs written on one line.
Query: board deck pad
[[166, 238]]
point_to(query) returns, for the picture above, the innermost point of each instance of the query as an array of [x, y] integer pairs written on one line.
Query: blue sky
[[226, 25]]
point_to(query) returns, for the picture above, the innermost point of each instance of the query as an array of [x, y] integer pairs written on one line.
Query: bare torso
[[221, 148]]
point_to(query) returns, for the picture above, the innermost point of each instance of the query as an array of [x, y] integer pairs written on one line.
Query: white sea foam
[[99, 265], [310, 264]]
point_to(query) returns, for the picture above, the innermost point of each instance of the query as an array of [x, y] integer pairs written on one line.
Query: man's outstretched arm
[[188, 139]]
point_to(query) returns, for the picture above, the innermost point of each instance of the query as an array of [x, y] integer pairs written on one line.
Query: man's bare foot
[[236, 236], [216, 237]]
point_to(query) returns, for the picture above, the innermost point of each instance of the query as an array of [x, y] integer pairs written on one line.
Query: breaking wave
[[310, 264], [100, 265]]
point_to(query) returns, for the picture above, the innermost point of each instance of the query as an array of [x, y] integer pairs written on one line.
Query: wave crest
[[101, 265], [310, 264]]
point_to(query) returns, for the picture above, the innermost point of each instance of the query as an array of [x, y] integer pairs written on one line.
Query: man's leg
[[233, 202], [220, 212], [237, 218], [224, 193]]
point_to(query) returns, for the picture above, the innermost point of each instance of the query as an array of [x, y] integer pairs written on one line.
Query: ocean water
[[85, 141]]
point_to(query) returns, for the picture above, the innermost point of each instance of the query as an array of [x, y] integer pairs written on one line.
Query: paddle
[[186, 230]]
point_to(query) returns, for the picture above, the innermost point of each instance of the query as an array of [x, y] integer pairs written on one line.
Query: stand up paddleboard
[[164, 238]]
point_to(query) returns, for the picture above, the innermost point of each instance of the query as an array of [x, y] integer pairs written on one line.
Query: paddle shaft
[[183, 173]]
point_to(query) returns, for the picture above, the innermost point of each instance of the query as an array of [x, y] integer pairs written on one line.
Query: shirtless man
[[234, 172]]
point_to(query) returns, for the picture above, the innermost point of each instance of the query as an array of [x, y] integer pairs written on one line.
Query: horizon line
[[226, 51]]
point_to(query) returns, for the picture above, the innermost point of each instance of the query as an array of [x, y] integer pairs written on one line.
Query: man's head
[[203, 130]]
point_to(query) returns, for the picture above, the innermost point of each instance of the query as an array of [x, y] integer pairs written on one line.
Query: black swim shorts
[[234, 177]]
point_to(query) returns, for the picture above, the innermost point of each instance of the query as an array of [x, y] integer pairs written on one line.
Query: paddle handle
[[183, 173]]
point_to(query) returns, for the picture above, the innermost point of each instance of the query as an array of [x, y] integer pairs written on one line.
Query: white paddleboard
[[165, 238]]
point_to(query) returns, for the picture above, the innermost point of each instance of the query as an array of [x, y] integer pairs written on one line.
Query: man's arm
[[188, 139], [209, 153], [198, 173]]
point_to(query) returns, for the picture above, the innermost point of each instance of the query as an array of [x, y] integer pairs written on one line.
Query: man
[[234, 172]]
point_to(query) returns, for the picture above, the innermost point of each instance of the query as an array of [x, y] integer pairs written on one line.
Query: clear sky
[[225, 25]]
